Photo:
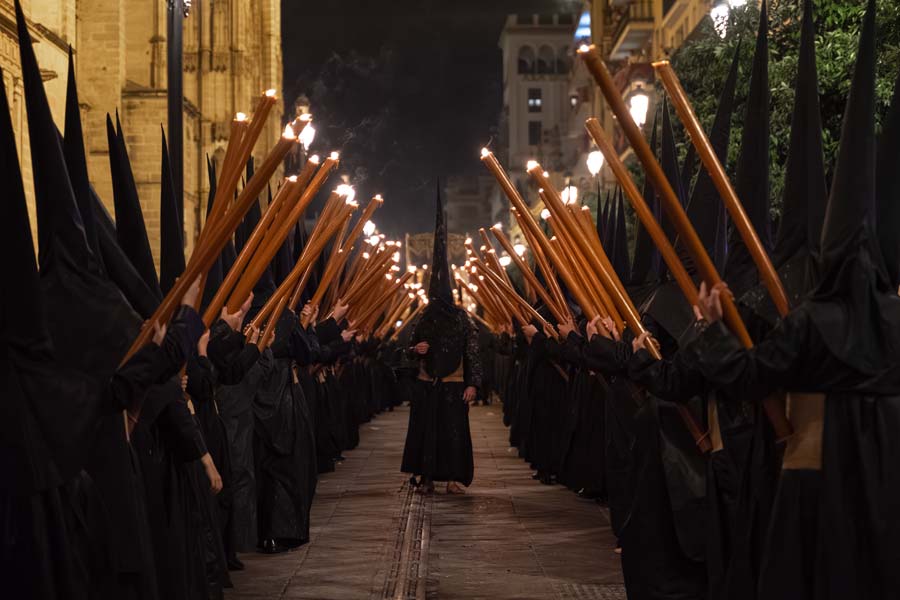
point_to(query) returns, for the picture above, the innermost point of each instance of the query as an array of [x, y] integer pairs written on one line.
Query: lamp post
[[178, 10]]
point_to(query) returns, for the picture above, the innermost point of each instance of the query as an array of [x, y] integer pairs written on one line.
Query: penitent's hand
[[530, 331], [215, 480], [710, 302], [592, 328], [348, 334], [567, 327], [470, 394], [640, 342], [340, 309], [252, 334], [234, 319], [190, 296], [422, 348], [159, 333], [610, 326]]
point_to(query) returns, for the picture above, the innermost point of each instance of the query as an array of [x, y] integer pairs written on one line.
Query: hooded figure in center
[[445, 342]]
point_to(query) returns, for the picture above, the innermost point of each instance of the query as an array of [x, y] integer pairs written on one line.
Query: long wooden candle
[[717, 173]]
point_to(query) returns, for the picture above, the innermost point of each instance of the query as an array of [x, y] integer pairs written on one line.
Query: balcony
[[632, 27]]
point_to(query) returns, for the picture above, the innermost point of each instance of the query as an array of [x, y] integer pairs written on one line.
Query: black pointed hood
[[89, 321], [805, 191], [284, 258], [672, 171], [887, 189], [216, 273], [706, 209], [646, 255], [752, 183], [59, 222], [619, 258], [171, 231], [440, 285], [854, 307], [23, 325], [47, 414], [265, 287], [119, 269], [603, 220], [131, 232], [76, 162]]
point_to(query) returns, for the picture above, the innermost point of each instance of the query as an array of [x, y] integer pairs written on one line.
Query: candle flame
[[468, 241], [424, 267], [505, 261], [473, 287], [531, 164], [584, 48], [307, 135], [368, 228], [335, 156], [347, 191], [483, 248], [288, 132], [485, 153], [270, 93], [545, 214], [365, 255], [240, 117], [411, 269], [498, 226], [396, 258], [389, 277], [379, 198], [520, 249], [546, 174], [374, 240], [395, 268], [292, 179], [399, 244]]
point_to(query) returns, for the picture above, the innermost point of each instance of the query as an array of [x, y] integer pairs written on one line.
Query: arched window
[[563, 61], [526, 60], [546, 62]]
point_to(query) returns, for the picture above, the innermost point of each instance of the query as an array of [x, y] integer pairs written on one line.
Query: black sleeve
[[572, 350], [130, 382], [472, 368], [607, 356], [201, 380], [229, 353], [673, 380], [182, 431], [759, 371], [328, 331], [181, 337]]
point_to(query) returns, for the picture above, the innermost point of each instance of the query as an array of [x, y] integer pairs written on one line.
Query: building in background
[[470, 201], [232, 52]]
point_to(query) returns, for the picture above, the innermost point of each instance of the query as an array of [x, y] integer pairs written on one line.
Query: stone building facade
[[232, 53]]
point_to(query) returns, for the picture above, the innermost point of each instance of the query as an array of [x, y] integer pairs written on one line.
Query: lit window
[[535, 100]]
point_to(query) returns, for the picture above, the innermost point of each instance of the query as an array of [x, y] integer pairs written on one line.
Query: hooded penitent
[[804, 180], [171, 245], [706, 209], [619, 254], [439, 324], [90, 323], [265, 287], [851, 268], [130, 229], [669, 159], [752, 183]]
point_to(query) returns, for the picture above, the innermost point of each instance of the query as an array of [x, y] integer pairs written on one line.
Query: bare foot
[[455, 488]]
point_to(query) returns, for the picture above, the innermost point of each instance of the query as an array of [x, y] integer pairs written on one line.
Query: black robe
[[832, 533], [438, 441]]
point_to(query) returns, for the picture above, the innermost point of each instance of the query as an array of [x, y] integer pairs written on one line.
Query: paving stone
[[509, 537]]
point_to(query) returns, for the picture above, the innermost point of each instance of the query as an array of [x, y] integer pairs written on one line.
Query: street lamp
[[569, 194], [638, 105], [595, 162], [178, 10]]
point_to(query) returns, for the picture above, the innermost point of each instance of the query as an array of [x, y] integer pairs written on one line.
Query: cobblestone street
[[508, 537]]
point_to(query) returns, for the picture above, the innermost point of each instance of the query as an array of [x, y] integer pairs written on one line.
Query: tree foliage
[[702, 65]]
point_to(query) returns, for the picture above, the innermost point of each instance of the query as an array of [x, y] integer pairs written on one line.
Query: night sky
[[407, 90]]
